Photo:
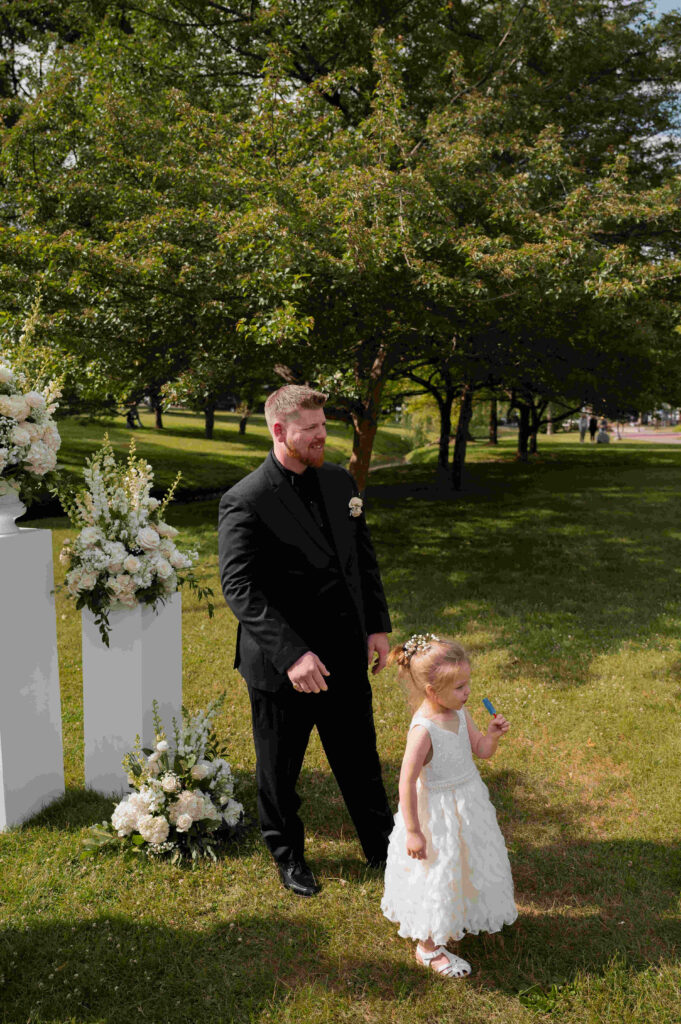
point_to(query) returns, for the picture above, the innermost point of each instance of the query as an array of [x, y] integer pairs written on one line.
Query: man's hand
[[307, 674], [378, 649]]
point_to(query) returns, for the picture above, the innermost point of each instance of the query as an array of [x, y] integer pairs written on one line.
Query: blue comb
[[490, 707]]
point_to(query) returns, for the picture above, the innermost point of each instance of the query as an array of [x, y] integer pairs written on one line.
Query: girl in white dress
[[447, 872]]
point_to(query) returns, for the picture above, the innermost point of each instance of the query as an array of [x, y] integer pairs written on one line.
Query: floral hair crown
[[419, 642]]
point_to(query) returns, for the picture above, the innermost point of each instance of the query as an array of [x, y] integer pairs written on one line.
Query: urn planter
[[31, 751], [142, 663]]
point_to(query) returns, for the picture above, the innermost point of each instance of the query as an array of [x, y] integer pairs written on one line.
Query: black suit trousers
[[343, 715]]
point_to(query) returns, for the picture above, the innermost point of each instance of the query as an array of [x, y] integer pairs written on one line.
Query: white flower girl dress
[[464, 885]]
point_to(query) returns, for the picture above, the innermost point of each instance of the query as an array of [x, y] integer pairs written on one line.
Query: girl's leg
[[459, 968]]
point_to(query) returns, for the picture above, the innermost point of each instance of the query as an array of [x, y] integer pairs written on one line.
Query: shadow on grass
[[564, 560], [112, 968]]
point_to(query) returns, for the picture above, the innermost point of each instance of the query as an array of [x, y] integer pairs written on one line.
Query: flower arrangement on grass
[[124, 554], [29, 438], [183, 804]]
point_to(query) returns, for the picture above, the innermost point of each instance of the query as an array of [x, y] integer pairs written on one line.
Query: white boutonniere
[[356, 506]]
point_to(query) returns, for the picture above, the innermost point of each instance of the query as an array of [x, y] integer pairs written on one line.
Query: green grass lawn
[[562, 576], [206, 466]]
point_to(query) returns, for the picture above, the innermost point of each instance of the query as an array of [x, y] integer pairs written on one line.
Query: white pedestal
[[31, 752], [143, 663]]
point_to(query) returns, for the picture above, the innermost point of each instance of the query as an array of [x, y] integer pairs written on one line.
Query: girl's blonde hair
[[427, 659]]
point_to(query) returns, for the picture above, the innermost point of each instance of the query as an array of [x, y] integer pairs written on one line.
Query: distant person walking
[[593, 427], [583, 426]]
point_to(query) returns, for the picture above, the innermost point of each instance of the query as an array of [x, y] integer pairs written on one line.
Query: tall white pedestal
[[143, 663], [31, 752]]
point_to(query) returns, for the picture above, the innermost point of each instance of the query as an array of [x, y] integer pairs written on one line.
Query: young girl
[[447, 872]]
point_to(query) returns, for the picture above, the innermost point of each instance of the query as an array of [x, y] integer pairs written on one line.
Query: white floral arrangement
[[124, 554], [29, 438], [183, 804]]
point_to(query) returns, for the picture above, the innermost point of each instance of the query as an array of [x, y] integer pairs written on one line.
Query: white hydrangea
[[153, 828], [153, 798], [124, 818], [232, 812]]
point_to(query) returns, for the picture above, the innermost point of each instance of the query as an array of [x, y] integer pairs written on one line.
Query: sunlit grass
[[562, 576]]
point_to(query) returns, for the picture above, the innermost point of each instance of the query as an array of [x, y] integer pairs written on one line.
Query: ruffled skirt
[[464, 885]]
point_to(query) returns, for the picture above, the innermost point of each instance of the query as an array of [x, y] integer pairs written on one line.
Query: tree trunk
[[523, 431], [364, 416], [549, 420], [536, 413], [493, 423], [158, 413], [209, 418], [461, 440]]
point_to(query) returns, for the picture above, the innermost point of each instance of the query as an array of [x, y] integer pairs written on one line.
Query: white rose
[[200, 771], [184, 822], [162, 746], [170, 783], [6, 375], [165, 530], [131, 564], [148, 539], [87, 581], [163, 569], [179, 561], [35, 400]]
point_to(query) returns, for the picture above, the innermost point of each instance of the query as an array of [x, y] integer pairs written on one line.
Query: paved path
[[648, 434]]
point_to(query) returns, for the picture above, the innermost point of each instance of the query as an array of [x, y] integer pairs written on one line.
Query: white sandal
[[456, 968]]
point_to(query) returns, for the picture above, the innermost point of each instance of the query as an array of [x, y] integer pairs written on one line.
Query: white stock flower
[[153, 798], [184, 822], [153, 828], [148, 539], [90, 535], [153, 503]]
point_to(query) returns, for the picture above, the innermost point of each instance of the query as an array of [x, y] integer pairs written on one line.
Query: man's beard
[[314, 458]]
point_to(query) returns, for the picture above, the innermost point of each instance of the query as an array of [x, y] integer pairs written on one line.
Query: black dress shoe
[[296, 876]]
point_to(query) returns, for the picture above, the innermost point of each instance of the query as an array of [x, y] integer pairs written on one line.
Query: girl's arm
[[485, 746], [417, 750]]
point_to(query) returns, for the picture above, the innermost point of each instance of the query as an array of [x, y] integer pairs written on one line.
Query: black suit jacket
[[291, 590]]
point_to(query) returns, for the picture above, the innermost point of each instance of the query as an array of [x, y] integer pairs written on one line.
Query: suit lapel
[[295, 506]]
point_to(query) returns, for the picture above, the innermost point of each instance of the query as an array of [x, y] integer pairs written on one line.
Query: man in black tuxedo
[[299, 572]]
